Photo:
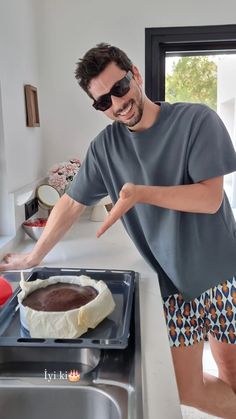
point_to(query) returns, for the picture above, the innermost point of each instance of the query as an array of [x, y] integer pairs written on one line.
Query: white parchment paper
[[65, 324]]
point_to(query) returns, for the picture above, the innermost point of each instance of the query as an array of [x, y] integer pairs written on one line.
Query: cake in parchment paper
[[68, 307]]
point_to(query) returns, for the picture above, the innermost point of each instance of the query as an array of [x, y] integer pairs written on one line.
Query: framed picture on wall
[[32, 109]]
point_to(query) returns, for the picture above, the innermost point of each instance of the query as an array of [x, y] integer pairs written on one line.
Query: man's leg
[[225, 357], [202, 391]]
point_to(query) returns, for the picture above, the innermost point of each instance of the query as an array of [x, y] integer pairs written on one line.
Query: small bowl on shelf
[[34, 227]]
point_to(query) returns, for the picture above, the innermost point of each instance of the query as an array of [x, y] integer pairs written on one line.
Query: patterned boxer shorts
[[214, 311]]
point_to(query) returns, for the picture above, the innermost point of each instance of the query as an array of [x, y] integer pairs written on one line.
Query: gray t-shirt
[[188, 143]]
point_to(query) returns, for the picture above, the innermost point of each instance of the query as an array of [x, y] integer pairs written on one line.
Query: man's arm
[[203, 197], [62, 216]]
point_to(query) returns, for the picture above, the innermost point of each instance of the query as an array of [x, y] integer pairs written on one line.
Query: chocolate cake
[[60, 297]]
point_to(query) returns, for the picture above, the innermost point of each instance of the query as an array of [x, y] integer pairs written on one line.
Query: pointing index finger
[[108, 222]]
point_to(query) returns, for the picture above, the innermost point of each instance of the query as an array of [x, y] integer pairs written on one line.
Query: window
[[189, 52]]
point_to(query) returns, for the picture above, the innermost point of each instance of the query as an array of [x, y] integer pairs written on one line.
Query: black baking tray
[[113, 332]]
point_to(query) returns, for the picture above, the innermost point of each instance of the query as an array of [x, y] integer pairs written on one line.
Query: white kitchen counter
[[81, 249]]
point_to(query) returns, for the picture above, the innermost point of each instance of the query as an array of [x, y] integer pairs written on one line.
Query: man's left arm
[[202, 197]]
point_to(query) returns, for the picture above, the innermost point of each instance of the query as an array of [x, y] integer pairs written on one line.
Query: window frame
[[184, 40]]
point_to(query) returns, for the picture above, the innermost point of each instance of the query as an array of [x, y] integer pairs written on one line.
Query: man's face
[[127, 109]]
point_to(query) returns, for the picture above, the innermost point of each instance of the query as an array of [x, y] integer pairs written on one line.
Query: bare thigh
[[225, 357], [189, 372]]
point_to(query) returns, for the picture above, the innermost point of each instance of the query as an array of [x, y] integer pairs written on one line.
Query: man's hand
[[63, 214], [128, 198], [13, 261]]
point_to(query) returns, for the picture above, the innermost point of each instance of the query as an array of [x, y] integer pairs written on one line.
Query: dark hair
[[96, 60]]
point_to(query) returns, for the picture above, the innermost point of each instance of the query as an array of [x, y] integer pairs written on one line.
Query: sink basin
[[25, 362], [34, 384], [106, 402]]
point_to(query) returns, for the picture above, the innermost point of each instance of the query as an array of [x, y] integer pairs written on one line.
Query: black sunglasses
[[119, 89]]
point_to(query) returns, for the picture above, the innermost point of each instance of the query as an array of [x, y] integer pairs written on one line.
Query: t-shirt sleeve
[[211, 152], [88, 186]]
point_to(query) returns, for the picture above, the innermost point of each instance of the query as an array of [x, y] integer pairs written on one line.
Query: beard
[[137, 117], [138, 105]]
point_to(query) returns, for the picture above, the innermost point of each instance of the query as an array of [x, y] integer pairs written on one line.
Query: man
[[163, 167]]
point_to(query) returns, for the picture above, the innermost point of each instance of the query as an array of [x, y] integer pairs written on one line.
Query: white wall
[[40, 42], [68, 28], [6, 227], [21, 146]]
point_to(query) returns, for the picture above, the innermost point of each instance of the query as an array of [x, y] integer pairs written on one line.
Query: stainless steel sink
[[34, 381], [105, 402]]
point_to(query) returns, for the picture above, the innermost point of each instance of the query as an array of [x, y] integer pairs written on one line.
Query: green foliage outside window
[[194, 79]]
